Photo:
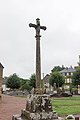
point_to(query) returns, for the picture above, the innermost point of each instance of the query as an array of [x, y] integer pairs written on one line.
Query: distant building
[[67, 73], [46, 83], [4, 88], [47, 87], [1, 77], [79, 61]]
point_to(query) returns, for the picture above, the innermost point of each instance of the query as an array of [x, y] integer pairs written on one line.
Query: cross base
[[38, 107]]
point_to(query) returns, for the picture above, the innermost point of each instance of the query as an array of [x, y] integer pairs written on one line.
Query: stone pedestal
[[38, 107]]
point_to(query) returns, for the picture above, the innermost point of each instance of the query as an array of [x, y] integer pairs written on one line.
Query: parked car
[[54, 95], [64, 94]]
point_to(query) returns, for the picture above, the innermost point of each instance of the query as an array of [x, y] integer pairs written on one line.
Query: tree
[[26, 86], [33, 81], [13, 82], [76, 77], [22, 82], [57, 78], [57, 68]]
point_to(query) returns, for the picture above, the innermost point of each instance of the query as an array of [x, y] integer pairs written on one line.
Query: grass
[[67, 105]]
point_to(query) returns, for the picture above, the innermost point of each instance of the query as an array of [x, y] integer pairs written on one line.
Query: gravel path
[[10, 105]]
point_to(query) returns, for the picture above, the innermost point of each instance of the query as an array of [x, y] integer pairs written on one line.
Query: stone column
[[37, 27], [1, 76], [38, 66]]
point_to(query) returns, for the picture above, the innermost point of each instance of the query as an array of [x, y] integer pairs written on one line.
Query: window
[[69, 73], [65, 74]]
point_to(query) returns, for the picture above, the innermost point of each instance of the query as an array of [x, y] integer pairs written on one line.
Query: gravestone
[[1, 76], [38, 106]]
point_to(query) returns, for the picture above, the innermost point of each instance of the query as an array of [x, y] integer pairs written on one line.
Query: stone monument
[[38, 60], [1, 76], [38, 106]]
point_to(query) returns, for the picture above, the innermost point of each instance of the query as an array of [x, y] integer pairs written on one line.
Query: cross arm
[[32, 25], [43, 27]]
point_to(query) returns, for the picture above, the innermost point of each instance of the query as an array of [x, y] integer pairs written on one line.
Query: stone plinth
[[38, 107]]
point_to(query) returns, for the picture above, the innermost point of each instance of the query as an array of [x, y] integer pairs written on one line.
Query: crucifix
[[38, 60]]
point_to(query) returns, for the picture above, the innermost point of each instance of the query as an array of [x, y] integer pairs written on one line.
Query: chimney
[[79, 61]]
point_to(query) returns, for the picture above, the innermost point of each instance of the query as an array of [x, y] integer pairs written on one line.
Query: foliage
[[57, 78], [33, 81], [57, 68], [26, 86], [73, 89], [22, 81], [13, 82], [76, 77]]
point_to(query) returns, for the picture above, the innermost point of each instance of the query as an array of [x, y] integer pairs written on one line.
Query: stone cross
[[38, 60]]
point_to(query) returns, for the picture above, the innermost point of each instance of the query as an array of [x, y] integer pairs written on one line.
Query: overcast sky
[[60, 43]]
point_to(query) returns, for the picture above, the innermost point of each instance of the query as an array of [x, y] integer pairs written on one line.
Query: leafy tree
[[57, 78], [26, 86], [33, 81], [13, 81], [22, 81], [57, 68], [76, 77]]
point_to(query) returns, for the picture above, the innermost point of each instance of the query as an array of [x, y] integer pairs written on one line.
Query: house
[[67, 73], [4, 88], [47, 87], [46, 83]]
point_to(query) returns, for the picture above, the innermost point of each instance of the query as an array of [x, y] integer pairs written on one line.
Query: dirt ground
[[10, 106]]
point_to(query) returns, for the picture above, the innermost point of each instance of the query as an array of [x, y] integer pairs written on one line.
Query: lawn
[[67, 105]]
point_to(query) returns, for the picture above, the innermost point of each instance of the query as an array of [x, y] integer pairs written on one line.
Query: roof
[[1, 65], [67, 70], [46, 78]]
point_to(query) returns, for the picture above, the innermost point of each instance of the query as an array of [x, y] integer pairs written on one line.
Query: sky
[[60, 43]]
